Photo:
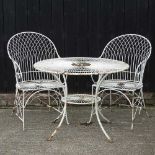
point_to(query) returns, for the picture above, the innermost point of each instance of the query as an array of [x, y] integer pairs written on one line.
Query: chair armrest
[[139, 72], [18, 73]]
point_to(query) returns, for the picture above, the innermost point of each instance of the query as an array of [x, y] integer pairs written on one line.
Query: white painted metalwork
[[135, 50], [81, 66], [82, 99], [24, 49]]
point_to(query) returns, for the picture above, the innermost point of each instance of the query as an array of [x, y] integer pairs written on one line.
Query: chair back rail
[[25, 49], [133, 49]]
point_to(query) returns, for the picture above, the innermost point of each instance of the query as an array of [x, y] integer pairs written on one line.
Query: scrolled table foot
[[110, 140], [52, 135]]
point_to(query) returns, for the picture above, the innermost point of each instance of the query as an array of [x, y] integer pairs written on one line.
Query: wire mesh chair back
[[26, 48], [133, 49]]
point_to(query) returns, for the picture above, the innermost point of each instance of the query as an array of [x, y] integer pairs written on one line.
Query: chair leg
[[92, 90], [19, 105], [132, 118], [91, 114], [143, 102], [49, 101], [110, 100], [14, 109], [23, 107], [133, 115], [67, 116]]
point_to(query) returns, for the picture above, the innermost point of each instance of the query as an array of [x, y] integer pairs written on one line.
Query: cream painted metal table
[[81, 66]]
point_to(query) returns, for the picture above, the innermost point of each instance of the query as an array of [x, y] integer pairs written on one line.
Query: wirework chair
[[135, 50], [24, 49]]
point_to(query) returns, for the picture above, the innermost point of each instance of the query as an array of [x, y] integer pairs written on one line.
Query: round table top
[[80, 66]]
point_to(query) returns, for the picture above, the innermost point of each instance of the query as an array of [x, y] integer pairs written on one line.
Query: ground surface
[[76, 139]]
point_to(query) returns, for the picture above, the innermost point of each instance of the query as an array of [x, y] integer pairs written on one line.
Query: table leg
[[100, 124], [101, 78], [64, 112], [93, 113], [60, 123]]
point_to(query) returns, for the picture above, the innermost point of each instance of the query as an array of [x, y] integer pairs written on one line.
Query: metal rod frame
[[96, 109], [25, 49], [135, 50]]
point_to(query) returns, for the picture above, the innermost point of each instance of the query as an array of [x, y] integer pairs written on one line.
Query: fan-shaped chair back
[[26, 48], [133, 49]]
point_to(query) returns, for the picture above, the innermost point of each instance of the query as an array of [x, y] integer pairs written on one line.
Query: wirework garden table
[[81, 66]]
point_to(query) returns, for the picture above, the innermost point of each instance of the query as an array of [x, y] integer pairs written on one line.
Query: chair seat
[[39, 84], [120, 84]]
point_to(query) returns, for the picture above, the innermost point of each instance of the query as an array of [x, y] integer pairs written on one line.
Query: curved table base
[[96, 111], [81, 99]]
